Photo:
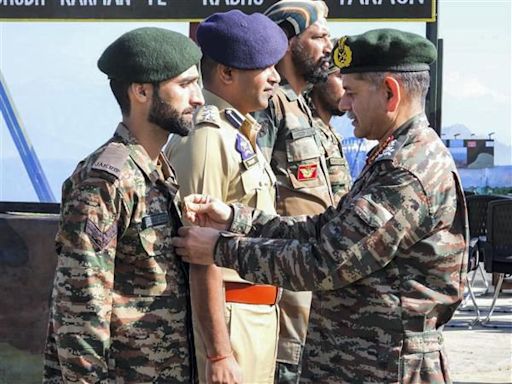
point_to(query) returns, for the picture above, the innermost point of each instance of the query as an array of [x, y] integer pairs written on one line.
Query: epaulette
[[208, 114], [235, 118], [112, 159]]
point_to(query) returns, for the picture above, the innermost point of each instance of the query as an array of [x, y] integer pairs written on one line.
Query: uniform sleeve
[[201, 162], [331, 252], [82, 293]]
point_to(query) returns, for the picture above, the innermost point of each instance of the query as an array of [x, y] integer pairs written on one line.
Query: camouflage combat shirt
[[337, 166], [120, 298], [291, 143], [388, 264]]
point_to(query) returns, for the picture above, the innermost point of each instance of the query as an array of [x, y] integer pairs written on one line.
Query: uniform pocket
[[251, 179], [302, 149], [419, 368]]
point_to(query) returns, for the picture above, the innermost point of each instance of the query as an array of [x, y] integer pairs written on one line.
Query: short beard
[[312, 72], [166, 117]]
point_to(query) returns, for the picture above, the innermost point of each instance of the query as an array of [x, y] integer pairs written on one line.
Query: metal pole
[[439, 85], [431, 102], [25, 149]]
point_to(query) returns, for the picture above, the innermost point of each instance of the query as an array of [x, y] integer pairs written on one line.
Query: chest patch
[[307, 172]]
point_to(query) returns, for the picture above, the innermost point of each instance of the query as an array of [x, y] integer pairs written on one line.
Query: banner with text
[[195, 10]]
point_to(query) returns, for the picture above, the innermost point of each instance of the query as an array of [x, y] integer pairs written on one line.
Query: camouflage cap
[[295, 16], [384, 50], [149, 54]]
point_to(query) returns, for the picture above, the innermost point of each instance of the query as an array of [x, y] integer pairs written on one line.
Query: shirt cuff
[[225, 251], [242, 219]]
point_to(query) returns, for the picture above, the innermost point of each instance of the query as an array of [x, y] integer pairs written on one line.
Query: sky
[[67, 108]]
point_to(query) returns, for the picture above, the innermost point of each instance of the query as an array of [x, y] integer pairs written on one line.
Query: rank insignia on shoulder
[[208, 114], [234, 117], [244, 148], [307, 172]]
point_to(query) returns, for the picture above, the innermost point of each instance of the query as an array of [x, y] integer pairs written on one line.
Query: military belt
[[251, 294]]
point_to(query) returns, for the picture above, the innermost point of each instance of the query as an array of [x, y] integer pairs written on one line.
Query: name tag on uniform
[[248, 163], [302, 132], [307, 172], [155, 220], [336, 161]]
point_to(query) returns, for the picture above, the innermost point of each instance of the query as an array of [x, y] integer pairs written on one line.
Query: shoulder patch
[[234, 117], [112, 159], [208, 114]]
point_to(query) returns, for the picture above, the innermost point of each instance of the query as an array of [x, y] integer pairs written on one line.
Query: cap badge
[[342, 55]]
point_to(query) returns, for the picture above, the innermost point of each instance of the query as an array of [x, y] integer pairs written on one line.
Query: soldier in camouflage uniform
[[324, 101], [389, 262], [293, 145], [221, 158], [120, 302]]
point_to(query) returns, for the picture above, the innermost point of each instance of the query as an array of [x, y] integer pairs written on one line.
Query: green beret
[[384, 50], [147, 55]]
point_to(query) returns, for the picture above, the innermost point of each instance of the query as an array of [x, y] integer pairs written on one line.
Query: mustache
[[350, 115]]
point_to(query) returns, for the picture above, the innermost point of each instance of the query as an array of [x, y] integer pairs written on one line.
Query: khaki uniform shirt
[[388, 263], [218, 159], [120, 301]]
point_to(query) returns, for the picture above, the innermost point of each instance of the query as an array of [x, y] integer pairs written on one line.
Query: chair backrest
[[477, 213], [499, 231]]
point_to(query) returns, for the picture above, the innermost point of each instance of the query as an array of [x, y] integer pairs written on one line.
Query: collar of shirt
[[141, 157]]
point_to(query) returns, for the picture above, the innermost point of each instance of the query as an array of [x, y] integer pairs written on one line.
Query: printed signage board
[[196, 10]]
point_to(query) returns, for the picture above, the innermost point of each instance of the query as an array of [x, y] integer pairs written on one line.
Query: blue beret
[[295, 16], [242, 41], [384, 50], [149, 54]]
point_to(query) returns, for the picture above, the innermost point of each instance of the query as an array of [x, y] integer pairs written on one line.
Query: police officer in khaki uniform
[[324, 100], [291, 141], [221, 158]]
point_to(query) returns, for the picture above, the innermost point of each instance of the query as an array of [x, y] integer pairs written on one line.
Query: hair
[[120, 90], [415, 84], [208, 66]]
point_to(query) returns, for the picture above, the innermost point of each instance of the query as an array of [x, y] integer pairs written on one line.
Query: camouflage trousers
[[294, 321]]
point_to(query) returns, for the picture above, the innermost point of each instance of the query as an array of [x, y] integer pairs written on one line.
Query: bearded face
[[313, 70], [164, 115]]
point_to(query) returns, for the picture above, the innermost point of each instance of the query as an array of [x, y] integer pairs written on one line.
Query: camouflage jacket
[[292, 144], [339, 173], [388, 264], [120, 299]]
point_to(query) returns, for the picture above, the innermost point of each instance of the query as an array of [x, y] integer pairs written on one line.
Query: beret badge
[[342, 54]]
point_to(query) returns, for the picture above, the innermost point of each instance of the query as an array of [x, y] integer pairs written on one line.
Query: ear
[[393, 93], [225, 74], [140, 91]]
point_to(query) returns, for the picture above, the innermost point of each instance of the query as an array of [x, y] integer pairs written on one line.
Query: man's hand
[[223, 371], [196, 245], [207, 211]]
